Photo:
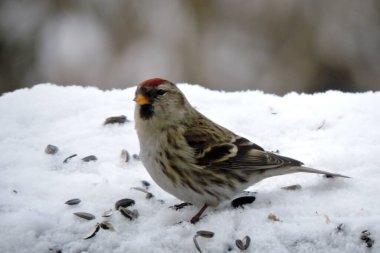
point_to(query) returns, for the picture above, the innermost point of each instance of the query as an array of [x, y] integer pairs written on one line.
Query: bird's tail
[[311, 170]]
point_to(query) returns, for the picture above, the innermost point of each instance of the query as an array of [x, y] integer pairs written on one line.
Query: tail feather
[[311, 170]]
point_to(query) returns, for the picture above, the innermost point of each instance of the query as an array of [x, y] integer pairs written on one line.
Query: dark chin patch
[[146, 111]]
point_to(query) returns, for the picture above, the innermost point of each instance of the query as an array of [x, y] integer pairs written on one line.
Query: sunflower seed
[[107, 226], [72, 202], [136, 157], [202, 233], [124, 203], [124, 155], [132, 215], [116, 119], [93, 232], [68, 158], [365, 238], [148, 194], [84, 215], [15, 192], [293, 187], [107, 213], [239, 202], [241, 245], [89, 158], [146, 184], [51, 149], [205, 234]]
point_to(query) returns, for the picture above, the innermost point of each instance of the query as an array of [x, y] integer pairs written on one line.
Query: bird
[[195, 159]]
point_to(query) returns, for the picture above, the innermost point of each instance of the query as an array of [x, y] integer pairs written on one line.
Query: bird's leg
[[180, 206], [196, 217]]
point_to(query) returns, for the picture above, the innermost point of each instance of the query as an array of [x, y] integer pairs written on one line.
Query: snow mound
[[333, 131]]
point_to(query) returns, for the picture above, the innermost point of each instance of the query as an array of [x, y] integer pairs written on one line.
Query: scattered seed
[[148, 194], [72, 202], [107, 213], [116, 119], [202, 233], [124, 155], [241, 245], [239, 202], [89, 158], [132, 215], [365, 238], [146, 184], [93, 232], [273, 217], [340, 228], [124, 203], [321, 125], [293, 187], [55, 250], [205, 234], [136, 157], [107, 226], [51, 149], [84, 215], [68, 158]]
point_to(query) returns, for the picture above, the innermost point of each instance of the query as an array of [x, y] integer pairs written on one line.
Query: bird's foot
[[180, 206]]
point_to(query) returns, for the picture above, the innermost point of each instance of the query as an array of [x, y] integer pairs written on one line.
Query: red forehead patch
[[152, 82]]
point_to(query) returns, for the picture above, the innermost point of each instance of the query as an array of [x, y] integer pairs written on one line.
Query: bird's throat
[[146, 111]]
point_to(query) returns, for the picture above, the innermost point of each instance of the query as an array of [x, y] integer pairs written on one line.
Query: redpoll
[[195, 159]]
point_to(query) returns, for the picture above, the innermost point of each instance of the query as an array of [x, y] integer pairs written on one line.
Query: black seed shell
[[84, 215], [239, 202], [124, 203], [72, 202]]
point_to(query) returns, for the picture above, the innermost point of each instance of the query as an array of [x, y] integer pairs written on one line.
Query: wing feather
[[214, 152]]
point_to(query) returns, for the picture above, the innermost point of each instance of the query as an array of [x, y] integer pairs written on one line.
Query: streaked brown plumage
[[195, 159]]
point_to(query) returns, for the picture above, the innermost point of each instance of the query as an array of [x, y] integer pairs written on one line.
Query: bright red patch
[[152, 82]]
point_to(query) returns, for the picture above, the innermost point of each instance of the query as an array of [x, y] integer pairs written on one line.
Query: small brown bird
[[195, 159]]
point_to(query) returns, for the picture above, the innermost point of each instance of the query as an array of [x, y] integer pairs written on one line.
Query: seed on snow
[[241, 245], [124, 203], [84, 215], [93, 232], [51, 149], [124, 155], [68, 158], [239, 202], [132, 215], [89, 158], [146, 184], [72, 202], [202, 233], [107, 213], [293, 187], [148, 194], [116, 119], [107, 226]]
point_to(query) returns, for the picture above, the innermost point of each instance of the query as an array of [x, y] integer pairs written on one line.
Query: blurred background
[[276, 46]]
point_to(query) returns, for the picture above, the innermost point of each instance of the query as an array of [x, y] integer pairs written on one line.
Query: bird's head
[[159, 99]]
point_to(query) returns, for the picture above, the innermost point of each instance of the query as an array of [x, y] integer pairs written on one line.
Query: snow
[[333, 131]]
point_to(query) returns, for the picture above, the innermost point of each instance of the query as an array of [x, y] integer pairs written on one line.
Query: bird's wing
[[232, 152]]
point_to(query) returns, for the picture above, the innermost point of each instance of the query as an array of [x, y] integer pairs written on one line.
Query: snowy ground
[[334, 131]]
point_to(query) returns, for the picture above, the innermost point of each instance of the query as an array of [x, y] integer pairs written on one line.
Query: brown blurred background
[[273, 45]]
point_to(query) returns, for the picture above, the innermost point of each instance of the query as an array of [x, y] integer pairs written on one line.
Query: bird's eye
[[161, 92]]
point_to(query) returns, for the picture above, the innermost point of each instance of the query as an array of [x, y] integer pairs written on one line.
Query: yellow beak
[[141, 99]]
